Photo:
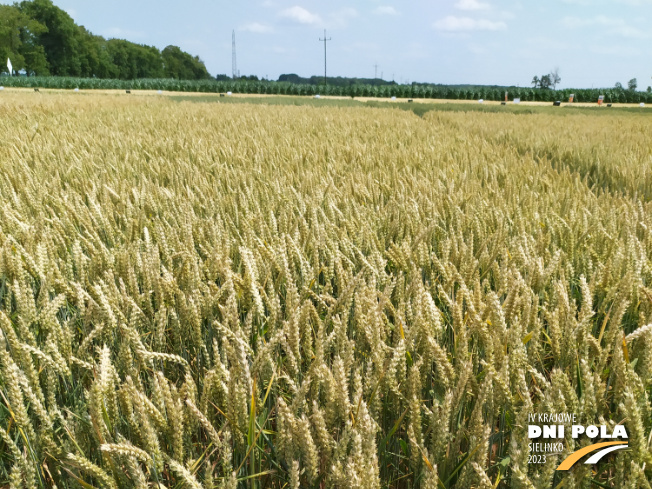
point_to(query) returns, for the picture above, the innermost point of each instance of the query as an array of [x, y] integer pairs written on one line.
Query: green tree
[[183, 66], [555, 79], [18, 41], [133, 61], [94, 58], [43, 39], [632, 84], [61, 39], [10, 42], [545, 82], [103, 66]]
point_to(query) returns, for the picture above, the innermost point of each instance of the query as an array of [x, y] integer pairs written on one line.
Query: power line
[[325, 40]]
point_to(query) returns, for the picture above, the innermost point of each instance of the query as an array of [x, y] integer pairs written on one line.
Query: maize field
[[427, 91], [198, 295]]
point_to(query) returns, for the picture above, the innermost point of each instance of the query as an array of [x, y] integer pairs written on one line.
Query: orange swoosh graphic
[[575, 456]]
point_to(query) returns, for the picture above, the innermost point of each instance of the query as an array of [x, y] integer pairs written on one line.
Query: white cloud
[[300, 15], [471, 5], [465, 24], [257, 28], [608, 25], [386, 10]]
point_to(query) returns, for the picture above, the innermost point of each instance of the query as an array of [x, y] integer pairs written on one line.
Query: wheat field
[[198, 295]]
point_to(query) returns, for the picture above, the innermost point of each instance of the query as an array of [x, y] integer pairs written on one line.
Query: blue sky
[[592, 42]]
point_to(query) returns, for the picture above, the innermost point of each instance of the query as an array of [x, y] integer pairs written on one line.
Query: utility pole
[[375, 71], [233, 60], [325, 40]]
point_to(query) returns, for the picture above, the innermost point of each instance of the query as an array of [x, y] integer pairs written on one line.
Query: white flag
[[9, 66]]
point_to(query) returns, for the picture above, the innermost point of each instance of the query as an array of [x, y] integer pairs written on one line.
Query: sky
[[593, 43]]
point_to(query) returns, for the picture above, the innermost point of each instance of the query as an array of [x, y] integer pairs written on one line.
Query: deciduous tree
[[19, 41]]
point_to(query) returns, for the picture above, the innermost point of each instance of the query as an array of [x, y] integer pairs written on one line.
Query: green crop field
[[269, 295], [428, 91]]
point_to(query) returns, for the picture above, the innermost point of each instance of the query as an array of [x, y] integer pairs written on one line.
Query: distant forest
[[334, 81], [42, 39]]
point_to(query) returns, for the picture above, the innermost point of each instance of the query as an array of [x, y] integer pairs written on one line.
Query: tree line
[[336, 81], [293, 78], [551, 80], [415, 90], [43, 40]]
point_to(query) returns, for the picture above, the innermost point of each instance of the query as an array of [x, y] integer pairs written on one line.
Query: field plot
[[232, 295]]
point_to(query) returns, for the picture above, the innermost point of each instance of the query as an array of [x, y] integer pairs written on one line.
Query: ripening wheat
[[226, 296]]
